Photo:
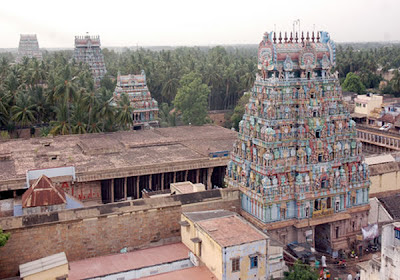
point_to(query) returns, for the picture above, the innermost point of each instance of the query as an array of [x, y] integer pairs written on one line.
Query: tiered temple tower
[[145, 107], [28, 47], [87, 50], [297, 161]]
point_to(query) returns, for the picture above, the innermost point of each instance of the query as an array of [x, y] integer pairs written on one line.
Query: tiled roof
[[392, 205], [43, 193]]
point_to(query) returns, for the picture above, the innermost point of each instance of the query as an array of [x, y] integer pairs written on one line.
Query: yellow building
[[229, 246], [384, 173], [54, 267], [367, 103]]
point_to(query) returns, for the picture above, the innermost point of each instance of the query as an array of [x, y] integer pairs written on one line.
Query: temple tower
[[87, 50], [28, 47], [145, 108], [297, 161]]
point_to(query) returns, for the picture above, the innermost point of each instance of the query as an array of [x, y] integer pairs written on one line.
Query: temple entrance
[[323, 238]]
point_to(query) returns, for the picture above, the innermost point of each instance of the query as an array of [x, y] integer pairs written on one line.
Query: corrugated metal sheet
[[43, 193]]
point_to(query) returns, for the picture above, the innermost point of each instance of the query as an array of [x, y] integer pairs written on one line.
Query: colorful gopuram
[[145, 108], [87, 50], [28, 47], [297, 161]]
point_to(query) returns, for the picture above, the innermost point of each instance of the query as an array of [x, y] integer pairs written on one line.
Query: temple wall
[[105, 229]]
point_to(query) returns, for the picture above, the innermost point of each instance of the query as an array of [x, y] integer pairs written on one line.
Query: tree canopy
[[191, 99], [300, 271], [353, 83], [3, 238]]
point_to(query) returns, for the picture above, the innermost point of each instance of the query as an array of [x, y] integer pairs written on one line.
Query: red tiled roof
[[388, 118], [43, 193]]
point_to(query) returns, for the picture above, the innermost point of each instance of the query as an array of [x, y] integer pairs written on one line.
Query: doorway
[[323, 238]]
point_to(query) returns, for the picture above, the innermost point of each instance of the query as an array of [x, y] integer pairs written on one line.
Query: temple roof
[[295, 52], [43, 193]]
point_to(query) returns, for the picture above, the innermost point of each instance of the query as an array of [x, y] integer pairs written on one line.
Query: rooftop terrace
[[104, 154]]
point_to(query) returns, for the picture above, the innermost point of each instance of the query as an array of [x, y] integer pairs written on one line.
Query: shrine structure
[[297, 161], [28, 47], [87, 50], [145, 108]]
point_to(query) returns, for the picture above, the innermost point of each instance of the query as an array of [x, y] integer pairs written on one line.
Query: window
[[254, 262], [320, 158], [235, 264], [314, 114], [318, 134], [324, 183], [307, 211], [337, 232], [397, 232]]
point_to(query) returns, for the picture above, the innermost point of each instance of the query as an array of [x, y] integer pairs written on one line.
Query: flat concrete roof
[[230, 231], [42, 264], [105, 265], [96, 153], [205, 215], [193, 273]]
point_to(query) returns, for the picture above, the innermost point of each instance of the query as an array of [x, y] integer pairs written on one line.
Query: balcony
[[322, 213]]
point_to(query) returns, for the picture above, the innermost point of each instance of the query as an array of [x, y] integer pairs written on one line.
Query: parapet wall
[[105, 229]]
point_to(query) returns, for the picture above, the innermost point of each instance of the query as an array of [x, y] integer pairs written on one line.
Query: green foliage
[[353, 83], [300, 271], [191, 99], [4, 237], [239, 110]]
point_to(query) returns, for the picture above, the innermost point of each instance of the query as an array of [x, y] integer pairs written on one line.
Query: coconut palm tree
[[61, 124], [23, 112], [125, 110]]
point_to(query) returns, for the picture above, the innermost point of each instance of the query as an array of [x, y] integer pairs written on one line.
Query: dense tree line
[[60, 95], [55, 94]]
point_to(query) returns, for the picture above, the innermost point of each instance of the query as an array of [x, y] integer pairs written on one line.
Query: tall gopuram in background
[[145, 108], [297, 161], [28, 47], [87, 50]]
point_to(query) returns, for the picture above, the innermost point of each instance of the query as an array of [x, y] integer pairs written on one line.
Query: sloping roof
[[392, 205], [42, 264], [388, 118], [43, 193]]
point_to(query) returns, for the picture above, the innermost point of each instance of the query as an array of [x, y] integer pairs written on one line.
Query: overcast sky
[[202, 22]]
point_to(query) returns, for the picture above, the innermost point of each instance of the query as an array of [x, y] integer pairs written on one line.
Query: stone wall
[[105, 229]]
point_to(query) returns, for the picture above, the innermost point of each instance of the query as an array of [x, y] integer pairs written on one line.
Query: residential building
[[366, 103], [229, 246], [387, 266], [297, 161]]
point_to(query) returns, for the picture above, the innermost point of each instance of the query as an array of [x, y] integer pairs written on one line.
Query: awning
[[358, 115]]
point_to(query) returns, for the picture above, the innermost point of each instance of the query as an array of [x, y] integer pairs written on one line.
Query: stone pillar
[[174, 177], [137, 186], [209, 174], [112, 190], [125, 188], [197, 176], [186, 175], [162, 181], [150, 179]]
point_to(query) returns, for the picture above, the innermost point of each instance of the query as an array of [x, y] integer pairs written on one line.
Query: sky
[[201, 22]]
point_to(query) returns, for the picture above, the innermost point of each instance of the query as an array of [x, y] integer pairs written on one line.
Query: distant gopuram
[[297, 161], [87, 50], [28, 47], [145, 108]]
